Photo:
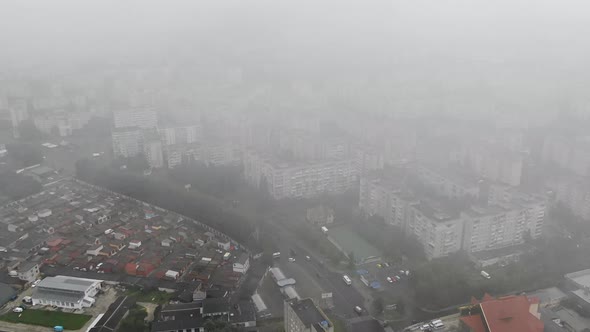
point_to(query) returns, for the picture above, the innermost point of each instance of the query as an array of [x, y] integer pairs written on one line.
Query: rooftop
[[580, 278], [307, 312], [66, 283], [505, 314]]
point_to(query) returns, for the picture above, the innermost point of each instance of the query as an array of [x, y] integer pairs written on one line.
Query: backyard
[[47, 318]]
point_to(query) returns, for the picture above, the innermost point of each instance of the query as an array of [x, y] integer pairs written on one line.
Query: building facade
[[144, 118], [127, 142], [66, 292], [299, 180], [305, 316]]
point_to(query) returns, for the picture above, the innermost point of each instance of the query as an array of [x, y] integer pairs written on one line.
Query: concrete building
[[180, 134], [127, 142], [28, 271], [144, 118], [152, 149], [66, 292], [439, 230], [299, 180], [320, 215], [499, 226], [579, 282], [242, 264], [491, 162], [61, 123], [19, 112], [305, 316], [448, 182], [574, 193], [387, 197], [178, 154], [571, 153]]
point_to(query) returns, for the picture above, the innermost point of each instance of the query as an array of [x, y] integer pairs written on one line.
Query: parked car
[[35, 283], [18, 310], [389, 280], [358, 310], [291, 259], [308, 258]]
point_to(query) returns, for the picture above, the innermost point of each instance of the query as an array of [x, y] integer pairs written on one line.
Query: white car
[[17, 310], [291, 259], [35, 283], [389, 280]]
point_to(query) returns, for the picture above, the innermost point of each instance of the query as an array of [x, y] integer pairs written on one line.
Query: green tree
[[351, 261], [378, 305], [28, 131]]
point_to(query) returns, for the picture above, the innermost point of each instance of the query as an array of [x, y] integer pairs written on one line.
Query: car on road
[[291, 259], [307, 258], [389, 280], [358, 310], [398, 278], [35, 283]]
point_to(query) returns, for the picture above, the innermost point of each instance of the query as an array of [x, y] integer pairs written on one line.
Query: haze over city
[[321, 166]]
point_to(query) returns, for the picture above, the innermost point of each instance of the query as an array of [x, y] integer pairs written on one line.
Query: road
[[314, 277]]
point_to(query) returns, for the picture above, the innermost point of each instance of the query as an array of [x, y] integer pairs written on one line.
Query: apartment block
[[499, 226], [305, 316], [299, 180], [448, 182], [144, 118], [386, 197], [180, 134], [152, 149], [571, 153], [127, 142], [436, 228], [574, 193]]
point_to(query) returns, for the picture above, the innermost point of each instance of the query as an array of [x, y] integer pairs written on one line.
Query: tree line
[[170, 196]]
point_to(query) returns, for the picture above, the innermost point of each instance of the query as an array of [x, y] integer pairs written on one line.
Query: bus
[[347, 279]]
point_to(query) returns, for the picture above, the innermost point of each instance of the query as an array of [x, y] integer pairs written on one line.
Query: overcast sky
[[497, 30]]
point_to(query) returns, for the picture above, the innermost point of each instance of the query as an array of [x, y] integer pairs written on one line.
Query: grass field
[[47, 318], [151, 296]]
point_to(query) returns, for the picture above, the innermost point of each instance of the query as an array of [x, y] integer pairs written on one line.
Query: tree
[[24, 154], [378, 305], [28, 131], [351, 262]]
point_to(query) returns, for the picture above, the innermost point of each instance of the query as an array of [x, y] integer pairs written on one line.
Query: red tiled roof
[[510, 314], [474, 322]]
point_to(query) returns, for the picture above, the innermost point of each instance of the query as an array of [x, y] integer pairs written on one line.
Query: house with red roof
[[503, 314]]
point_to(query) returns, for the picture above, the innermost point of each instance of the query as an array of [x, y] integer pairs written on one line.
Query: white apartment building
[[180, 134], [154, 155], [178, 154], [301, 180], [18, 113], [144, 118], [440, 232], [60, 122], [499, 226], [305, 316], [574, 193], [493, 162], [571, 153], [387, 198], [447, 182], [127, 142]]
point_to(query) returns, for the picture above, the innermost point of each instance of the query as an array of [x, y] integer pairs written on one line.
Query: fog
[[386, 161], [315, 32]]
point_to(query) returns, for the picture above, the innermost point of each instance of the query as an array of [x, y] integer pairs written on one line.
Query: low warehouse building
[[66, 292]]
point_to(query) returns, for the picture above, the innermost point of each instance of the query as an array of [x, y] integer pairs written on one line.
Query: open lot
[[351, 242], [47, 318]]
